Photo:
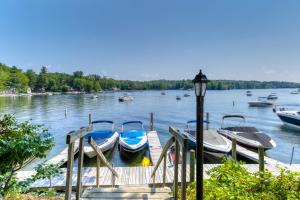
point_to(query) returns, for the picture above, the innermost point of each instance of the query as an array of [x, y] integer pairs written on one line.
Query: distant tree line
[[45, 81]]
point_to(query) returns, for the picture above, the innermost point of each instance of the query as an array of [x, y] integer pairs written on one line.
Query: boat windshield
[[233, 121], [132, 125]]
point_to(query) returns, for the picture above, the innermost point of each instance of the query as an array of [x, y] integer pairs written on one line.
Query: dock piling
[[151, 122], [90, 119], [192, 165], [207, 120], [292, 156]]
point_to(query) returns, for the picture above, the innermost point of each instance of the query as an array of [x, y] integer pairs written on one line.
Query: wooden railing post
[[233, 149], [112, 177], [192, 165], [98, 172], [79, 173], [164, 170], [183, 168], [69, 168], [261, 154], [151, 122], [176, 169]]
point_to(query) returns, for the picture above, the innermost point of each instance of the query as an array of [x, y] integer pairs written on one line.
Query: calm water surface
[[49, 110]]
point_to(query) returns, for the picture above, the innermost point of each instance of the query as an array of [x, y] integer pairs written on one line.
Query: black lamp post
[[200, 83]]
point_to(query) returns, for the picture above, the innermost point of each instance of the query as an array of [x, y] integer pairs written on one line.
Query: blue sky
[[154, 39]]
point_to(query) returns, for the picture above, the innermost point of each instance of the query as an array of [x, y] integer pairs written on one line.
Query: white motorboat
[[214, 144], [132, 140], [105, 139], [249, 93], [247, 136], [295, 92], [272, 96], [126, 97], [260, 102], [290, 118]]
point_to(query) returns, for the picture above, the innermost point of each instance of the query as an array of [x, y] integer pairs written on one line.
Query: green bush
[[19, 144], [233, 181]]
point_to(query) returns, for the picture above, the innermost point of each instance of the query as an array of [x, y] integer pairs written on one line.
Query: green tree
[[19, 143], [32, 77]]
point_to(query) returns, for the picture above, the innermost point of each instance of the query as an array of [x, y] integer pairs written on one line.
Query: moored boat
[[249, 93], [132, 140], [163, 93], [186, 95], [178, 98], [295, 92], [215, 145], [260, 102], [272, 96], [104, 138], [126, 97], [290, 118], [247, 136]]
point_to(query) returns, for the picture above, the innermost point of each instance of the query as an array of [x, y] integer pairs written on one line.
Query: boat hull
[[104, 147], [289, 120]]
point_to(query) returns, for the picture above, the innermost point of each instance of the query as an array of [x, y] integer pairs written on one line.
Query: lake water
[[49, 110]]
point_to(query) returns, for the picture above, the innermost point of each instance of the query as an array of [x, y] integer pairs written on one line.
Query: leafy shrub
[[233, 181], [19, 144]]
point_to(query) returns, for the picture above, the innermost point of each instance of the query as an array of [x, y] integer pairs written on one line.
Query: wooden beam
[[102, 157], [69, 172], [74, 135], [176, 133], [79, 172], [163, 154]]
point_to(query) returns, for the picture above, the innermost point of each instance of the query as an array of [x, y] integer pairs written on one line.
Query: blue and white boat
[[131, 139], [105, 138]]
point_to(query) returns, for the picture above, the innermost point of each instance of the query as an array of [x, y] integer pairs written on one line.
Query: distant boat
[[133, 140], [290, 118], [94, 97], [249, 93], [163, 93], [186, 95], [126, 97], [247, 136], [272, 96], [178, 98], [295, 92], [260, 102], [105, 139]]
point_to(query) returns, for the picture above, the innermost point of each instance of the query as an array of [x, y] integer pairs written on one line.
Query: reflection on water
[[50, 111]]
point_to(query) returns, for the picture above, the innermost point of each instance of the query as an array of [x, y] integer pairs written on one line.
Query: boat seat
[[242, 129]]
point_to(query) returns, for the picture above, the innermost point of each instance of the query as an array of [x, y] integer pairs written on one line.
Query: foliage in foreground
[[19, 143], [232, 181]]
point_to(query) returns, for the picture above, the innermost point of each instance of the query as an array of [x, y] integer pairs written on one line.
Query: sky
[[154, 39]]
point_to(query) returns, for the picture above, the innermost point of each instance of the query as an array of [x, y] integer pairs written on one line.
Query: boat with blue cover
[[132, 140], [104, 138]]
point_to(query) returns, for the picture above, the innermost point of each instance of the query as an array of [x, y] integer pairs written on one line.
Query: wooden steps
[[133, 192]]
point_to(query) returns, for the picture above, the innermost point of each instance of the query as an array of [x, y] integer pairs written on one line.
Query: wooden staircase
[[138, 192]]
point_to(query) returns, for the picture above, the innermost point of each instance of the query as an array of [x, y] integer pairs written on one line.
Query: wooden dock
[[155, 147], [133, 176]]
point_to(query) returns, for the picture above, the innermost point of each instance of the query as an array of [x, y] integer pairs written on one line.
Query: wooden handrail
[[177, 135], [101, 156], [75, 135], [163, 154]]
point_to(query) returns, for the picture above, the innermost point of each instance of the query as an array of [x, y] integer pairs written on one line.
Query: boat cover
[[99, 136], [133, 137]]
